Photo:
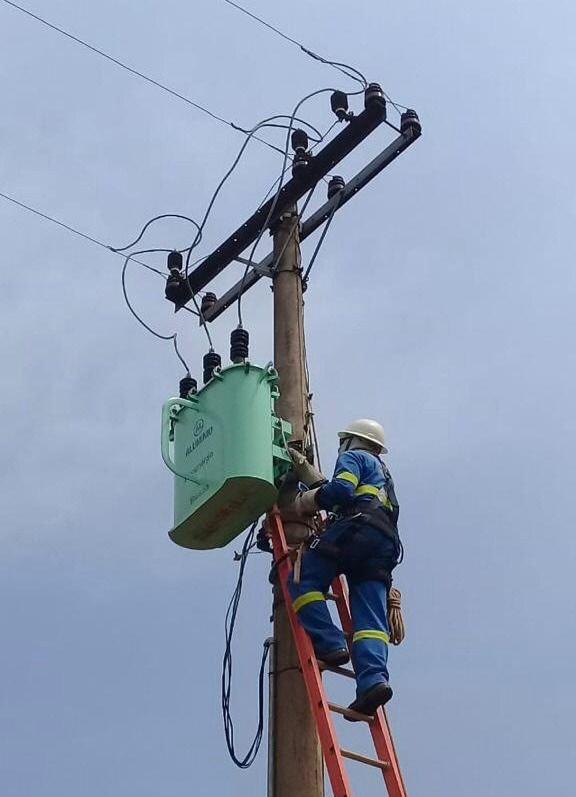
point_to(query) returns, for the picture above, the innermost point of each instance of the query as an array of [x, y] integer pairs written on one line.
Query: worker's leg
[[317, 573], [368, 601]]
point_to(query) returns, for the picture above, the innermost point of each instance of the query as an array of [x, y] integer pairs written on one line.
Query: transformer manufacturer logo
[[202, 436], [198, 427]]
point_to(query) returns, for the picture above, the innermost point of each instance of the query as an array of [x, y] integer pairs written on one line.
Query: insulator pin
[[208, 302], [410, 121], [335, 185], [374, 96]]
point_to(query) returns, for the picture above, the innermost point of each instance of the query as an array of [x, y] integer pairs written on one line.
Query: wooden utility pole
[[296, 768]]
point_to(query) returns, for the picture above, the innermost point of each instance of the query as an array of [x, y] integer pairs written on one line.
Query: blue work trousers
[[361, 553]]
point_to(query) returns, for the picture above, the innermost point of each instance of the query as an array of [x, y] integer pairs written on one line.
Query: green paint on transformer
[[227, 450]]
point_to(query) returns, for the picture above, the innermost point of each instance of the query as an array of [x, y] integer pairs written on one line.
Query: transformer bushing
[[211, 361]]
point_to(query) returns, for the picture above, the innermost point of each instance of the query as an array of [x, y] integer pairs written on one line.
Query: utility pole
[[296, 767]]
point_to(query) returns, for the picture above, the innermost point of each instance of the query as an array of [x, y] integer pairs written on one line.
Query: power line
[[343, 68], [136, 72], [358, 76], [74, 230]]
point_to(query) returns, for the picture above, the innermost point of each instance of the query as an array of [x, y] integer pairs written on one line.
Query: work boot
[[335, 658], [367, 702]]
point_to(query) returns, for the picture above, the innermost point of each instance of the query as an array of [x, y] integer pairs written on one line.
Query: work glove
[[306, 473], [305, 503]]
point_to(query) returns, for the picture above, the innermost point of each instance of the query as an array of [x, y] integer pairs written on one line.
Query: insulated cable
[[229, 626], [134, 72], [281, 180], [250, 135], [359, 77], [319, 244], [335, 64], [151, 221], [75, 231], [173, 336]]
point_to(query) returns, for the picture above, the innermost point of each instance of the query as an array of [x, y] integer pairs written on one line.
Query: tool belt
[[375, 516]]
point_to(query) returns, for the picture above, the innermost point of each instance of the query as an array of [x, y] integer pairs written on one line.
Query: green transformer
[[227, 449]]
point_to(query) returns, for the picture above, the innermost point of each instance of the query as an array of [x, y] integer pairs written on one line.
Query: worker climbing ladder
[[334, 755]]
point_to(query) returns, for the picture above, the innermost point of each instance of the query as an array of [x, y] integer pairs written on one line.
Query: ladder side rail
[[379, 727], [309, 666]]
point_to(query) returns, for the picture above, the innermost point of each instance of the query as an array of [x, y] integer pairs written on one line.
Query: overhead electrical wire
[[343, 68], [358, 76], [229, 625], [135, 72], [152, 221], [174, 335], [74, 230]]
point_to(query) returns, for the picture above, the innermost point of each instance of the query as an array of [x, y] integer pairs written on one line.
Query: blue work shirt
[[358, 475]]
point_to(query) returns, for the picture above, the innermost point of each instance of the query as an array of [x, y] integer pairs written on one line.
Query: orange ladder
[[334, 755]]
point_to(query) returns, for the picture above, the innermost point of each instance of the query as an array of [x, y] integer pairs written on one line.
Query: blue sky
[[442, 304]]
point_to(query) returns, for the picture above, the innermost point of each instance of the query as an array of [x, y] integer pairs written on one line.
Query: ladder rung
[[331, 596], [338, 670], [364, 759], [348, 712]]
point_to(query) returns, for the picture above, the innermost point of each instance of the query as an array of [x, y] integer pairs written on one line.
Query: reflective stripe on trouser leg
[[308, 601], [370, 641]]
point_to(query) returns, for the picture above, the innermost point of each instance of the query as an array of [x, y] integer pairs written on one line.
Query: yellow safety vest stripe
[[306, 598], [371, 634], [347, 476], [367, 489]]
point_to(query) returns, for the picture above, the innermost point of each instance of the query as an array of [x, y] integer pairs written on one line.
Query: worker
[[361, 541]]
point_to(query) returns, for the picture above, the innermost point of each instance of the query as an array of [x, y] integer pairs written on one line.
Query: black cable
[[281, 180], [156, 334], [148, 223], [132, 71], [75, 231], [319, 244], [229, 626], [336, 64]]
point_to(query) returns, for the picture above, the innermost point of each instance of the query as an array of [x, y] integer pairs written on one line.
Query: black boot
[[335, 658], [367, 702]]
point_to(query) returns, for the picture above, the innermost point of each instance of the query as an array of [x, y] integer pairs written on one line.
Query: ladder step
[[331, 596], [349, 713], [364, 759], [338, 670]]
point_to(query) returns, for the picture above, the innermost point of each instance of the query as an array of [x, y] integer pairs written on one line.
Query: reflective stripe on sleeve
[[347, 476], [308, 597], [371, 634], [367, 489]]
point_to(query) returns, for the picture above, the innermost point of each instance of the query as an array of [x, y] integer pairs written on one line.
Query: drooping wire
[[134, 72], [173, 336], [344, 68], [229, 625], [152, 221]]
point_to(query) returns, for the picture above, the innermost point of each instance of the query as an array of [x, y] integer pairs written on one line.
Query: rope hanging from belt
[[395, 619]]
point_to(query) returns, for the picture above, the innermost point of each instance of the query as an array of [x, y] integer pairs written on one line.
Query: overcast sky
[[442, 304]]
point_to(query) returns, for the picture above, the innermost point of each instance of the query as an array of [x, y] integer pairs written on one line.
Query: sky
[[442, 304]]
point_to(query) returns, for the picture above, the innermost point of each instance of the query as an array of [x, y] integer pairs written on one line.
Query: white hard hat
[[365, 429]]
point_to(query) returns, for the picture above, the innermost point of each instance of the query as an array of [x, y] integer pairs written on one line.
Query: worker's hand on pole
[[306, 473], [304, 505]]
